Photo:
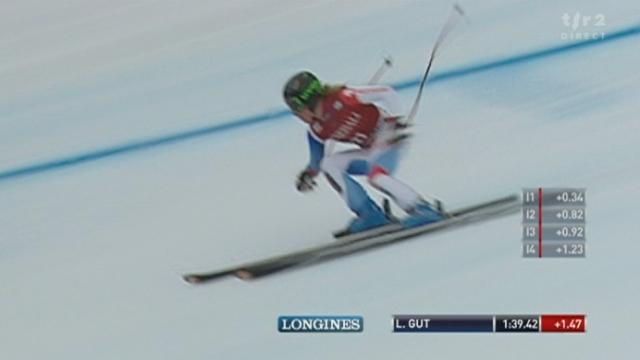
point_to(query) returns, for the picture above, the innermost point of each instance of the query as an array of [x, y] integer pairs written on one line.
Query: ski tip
[[243, 274], [192, 279]]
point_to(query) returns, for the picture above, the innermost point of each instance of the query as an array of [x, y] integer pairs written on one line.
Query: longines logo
[[311, 323]]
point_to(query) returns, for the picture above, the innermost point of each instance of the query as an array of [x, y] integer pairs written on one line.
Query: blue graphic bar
[[443, 323]]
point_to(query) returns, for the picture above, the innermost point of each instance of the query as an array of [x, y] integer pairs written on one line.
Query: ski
[[363, 242]]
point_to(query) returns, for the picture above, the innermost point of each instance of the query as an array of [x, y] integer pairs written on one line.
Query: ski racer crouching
[[368, 116]]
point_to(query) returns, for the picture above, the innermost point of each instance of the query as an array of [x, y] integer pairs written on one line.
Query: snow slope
[[91, 254]]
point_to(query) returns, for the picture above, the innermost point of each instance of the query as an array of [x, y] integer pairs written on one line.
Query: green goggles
[[307, 98]]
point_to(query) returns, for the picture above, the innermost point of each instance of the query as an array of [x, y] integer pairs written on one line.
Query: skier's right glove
[[305, 181]]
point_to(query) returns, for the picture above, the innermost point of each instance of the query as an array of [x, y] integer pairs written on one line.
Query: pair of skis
[[361, 242]]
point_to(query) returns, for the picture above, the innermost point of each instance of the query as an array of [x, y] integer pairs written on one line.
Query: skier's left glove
[[305, 181]]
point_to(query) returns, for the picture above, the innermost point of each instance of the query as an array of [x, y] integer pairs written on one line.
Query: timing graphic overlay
[[554, 223], [556, 323]]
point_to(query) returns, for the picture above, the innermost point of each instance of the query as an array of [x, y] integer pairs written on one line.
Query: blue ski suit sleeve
[[316, 152]]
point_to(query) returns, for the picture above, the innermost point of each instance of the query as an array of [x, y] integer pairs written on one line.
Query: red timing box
[[564, 323]]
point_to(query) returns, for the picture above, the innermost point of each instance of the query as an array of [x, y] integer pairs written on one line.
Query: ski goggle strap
[[307, 98]]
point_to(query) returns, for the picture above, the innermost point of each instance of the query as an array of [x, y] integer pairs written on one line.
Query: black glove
[[305, 181]]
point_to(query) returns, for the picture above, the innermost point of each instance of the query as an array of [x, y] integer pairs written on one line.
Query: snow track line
[[238, 123]]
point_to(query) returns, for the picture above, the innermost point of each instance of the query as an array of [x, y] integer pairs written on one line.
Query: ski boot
[[370, 217], [424, 213]]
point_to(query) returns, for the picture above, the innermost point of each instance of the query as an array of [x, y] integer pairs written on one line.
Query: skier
[[368, 116]]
